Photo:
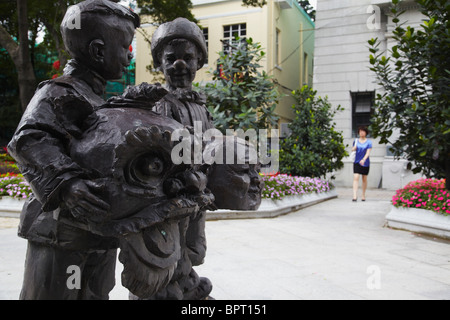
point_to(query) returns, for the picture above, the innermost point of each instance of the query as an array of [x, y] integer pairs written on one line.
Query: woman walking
[[361, 166]]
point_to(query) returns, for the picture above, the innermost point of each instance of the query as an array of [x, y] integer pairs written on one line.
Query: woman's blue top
[[361, 150]]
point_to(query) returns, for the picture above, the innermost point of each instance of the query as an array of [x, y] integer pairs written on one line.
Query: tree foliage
[[314, 147], [20, 23], [309, 9], [163, 11], [242, 95], [254, 3], [413, 112]]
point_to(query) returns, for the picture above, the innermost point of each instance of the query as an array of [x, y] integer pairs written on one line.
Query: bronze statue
[[148, 195], [242, 174], [179, 50], [54, 118], [103, 175]]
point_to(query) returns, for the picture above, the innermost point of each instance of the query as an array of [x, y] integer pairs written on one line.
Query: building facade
[[341, 72], [284, 30]]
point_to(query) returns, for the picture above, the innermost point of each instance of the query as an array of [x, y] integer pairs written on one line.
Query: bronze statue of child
[[56, 116], [179, 50]]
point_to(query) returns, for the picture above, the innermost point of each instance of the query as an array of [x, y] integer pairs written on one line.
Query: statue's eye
[[146, 170], [151, 166], [170, 58]]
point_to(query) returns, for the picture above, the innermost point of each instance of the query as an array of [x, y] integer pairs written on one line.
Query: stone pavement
[[333, 250]]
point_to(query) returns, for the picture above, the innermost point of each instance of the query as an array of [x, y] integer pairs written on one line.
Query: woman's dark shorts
[[357, 168]]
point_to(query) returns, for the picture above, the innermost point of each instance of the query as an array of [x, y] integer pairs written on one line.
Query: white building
[[341, 72]]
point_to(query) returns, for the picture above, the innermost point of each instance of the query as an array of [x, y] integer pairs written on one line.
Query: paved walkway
[[334, 250]]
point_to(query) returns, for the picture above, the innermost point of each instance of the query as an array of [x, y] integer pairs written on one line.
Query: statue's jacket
[[187, 107], [41, 145]]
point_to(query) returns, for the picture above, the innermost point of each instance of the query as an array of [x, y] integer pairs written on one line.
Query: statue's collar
[[92, 78], [185, 95]]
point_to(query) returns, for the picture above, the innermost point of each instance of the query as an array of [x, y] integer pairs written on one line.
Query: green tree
[[19, 51], [309, 9], [163, 11], [242, 96], [412, 113], [254, 3], [314, 147], [20, 22]]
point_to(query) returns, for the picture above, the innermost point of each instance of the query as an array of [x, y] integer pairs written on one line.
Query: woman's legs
[[364, 187], [355, 185]]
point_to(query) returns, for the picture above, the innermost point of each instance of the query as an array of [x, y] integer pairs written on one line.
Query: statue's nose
[[180, 65]]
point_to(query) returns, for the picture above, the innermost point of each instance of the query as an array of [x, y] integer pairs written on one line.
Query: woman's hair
[[363, 128]]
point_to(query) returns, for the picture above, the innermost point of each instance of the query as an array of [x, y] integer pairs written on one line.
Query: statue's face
[[115, 53], [179, 62], [236, 186]]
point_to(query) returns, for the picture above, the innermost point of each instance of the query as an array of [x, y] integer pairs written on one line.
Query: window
[[278, 48], [305, 69], [362, 107], [231, 33], [206, 35]]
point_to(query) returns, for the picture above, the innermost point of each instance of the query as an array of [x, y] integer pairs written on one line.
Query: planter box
[[419, 220], [11, 207], [274, 208]]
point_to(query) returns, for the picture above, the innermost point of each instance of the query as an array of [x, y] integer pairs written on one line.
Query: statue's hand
[[146, 92], [177, 208], [141, 96], [79, 196]]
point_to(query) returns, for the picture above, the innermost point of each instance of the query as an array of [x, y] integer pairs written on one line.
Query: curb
[[10, 207], [272, 209], [419, 220]]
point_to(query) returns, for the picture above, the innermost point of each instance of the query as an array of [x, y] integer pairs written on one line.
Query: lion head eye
[[146, 170]]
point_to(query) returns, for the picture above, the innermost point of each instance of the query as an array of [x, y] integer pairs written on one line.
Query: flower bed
[[276, 186], [14, 185], [279, 186], [282, 194], [422, 206], [428, 194]]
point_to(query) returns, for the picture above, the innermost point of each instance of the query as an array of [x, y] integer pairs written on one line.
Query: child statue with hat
[[179, 50]]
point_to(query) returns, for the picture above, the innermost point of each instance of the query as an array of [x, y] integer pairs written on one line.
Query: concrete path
[[333, 250]]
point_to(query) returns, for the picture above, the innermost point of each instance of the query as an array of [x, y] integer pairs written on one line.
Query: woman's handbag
[[353, 154]]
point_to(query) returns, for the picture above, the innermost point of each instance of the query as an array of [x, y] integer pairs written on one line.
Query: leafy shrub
[[8, 167], [241, 95], [414, 102], [314, 147]]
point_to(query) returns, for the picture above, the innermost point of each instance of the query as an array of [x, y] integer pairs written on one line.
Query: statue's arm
[[40, 148]]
